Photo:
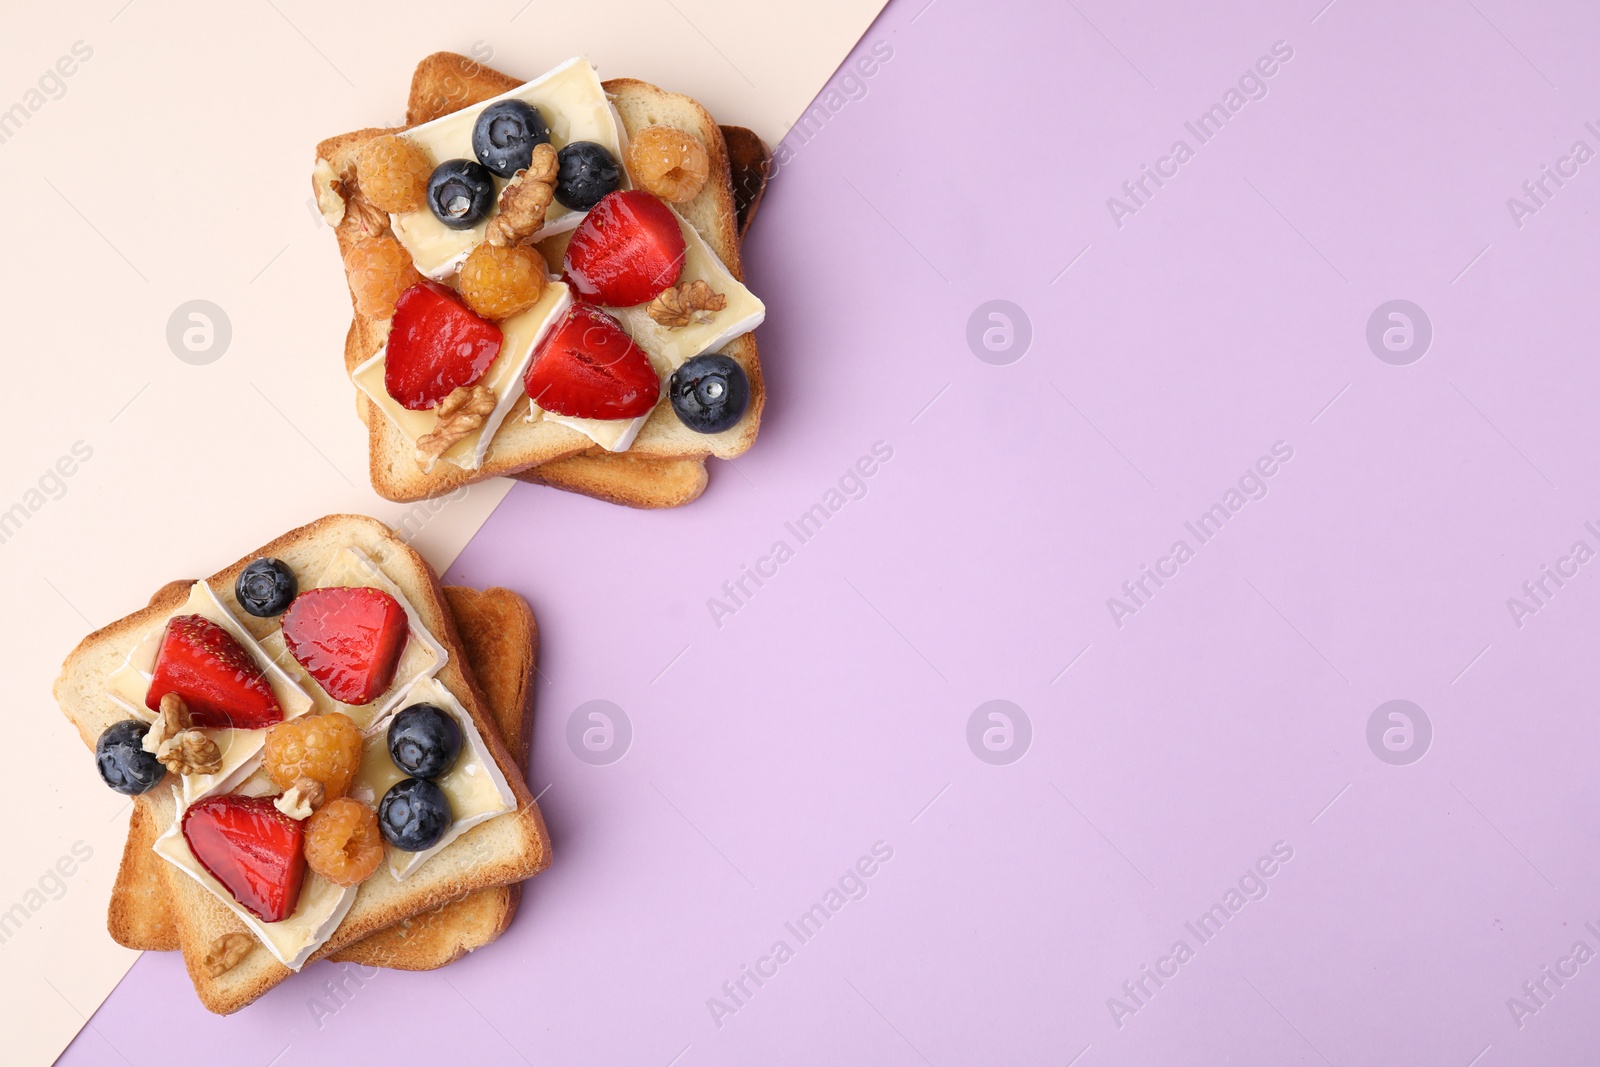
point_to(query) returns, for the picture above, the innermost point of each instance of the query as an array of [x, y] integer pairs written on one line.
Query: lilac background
[[1227, 715]]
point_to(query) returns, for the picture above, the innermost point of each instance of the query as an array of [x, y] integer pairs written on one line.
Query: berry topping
[[668, 162], [424, 741], [436, 346], [505, 134], [588, 368], [626, 251], [124, 764], [324, 748], [414, 814], [709, 393], [343, 843], [348, 638], [219, 683], [393, 173], [461, 193], [265, 587], [500, 281], [252, 848], [379, 270], [588, 172]]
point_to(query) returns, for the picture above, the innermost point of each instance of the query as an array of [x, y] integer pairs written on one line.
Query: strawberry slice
[[252, 848], [348, 638], [588, 368], [436, 345], [627, 250], [218, 680]]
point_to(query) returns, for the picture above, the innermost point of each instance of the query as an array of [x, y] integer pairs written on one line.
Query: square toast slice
[[518, 444], [501, 641], [503, 850]]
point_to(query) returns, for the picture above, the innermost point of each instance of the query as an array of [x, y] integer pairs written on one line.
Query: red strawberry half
[[626, 250], [588, 368], [218, 681], [252, 848], [436, 345], [348, 638]]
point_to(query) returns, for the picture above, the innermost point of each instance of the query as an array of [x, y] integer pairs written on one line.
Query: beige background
[[172, 164]]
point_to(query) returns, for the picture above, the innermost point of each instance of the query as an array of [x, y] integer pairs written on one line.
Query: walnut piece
[[171, 720], [460, 414], [370, 222], [676, 307], [226, 952], [190, 752], [301, 799], [525, 200]]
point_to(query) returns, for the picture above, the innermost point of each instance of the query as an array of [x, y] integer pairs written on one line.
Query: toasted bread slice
[[519, 444], [501, 642], [445, 82], [505, 849]]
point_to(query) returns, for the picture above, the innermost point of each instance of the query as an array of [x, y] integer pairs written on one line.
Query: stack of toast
[[665, 466], [465, 657], [460, 899]]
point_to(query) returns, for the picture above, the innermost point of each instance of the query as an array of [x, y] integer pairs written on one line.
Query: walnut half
[[301, 799], [171, 720], [525, 200], [370, 222], [460, 414], [226, 952], [190, 752], [678, 306]]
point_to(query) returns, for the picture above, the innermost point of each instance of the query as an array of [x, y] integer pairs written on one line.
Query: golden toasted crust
[[618, 478], [500, 639], [503, 850], [139, 916], [446, 82]]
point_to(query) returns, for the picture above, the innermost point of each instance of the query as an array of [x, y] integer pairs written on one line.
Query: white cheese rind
[[329, 203], [613, 435]]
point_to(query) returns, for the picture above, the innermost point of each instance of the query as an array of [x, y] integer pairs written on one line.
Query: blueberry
[[504, 136], [424, 741], [461, 193], [588, 172], [709, 393], [414, 814], [123, 762], [266, 587]]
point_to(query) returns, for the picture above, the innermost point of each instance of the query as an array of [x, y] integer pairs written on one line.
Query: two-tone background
[[1156, 621]]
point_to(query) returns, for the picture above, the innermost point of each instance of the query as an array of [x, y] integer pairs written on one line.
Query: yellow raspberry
[[498, 282], [669, 163], [393, 173], [324, 748], [379, 270], [343, 842]]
